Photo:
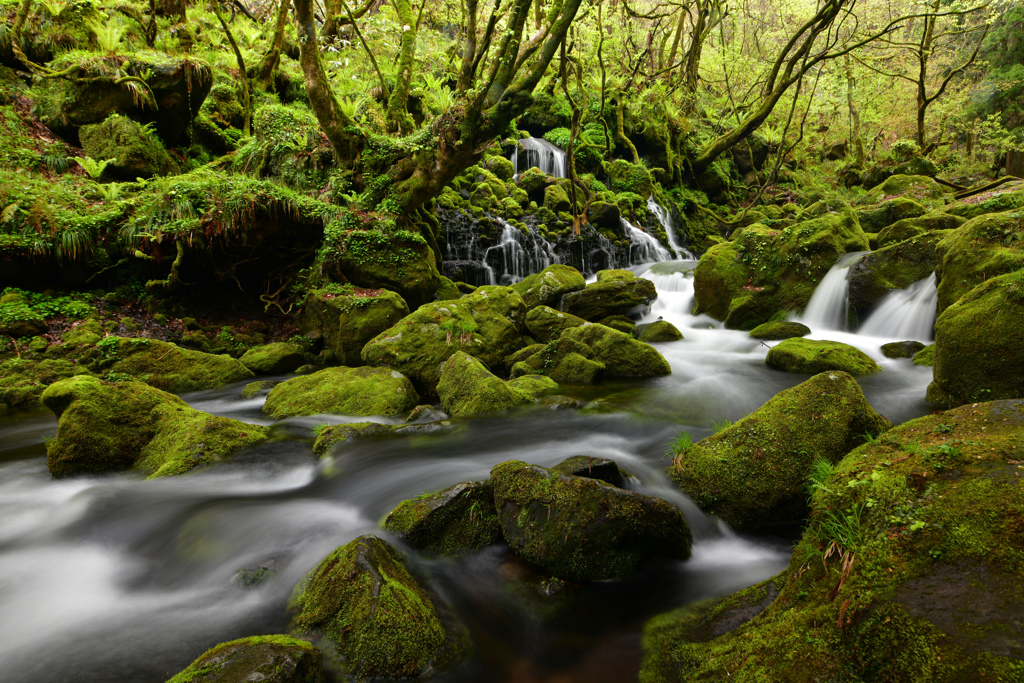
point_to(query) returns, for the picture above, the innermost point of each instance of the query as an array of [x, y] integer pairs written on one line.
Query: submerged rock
[[273, 359], [778, 331], [812, 356], [468, 388], [459, 519], [619, 295], [343, 391], [583, 529], [108, 426], [363, 600], [169, 367], [903, 349], [753, 473], [267, 659], [348, 321], [547, 287], [260, 388]]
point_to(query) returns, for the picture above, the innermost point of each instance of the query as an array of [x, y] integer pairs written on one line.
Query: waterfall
[[479, 254], [519, 255], [643, 248], [830, 304], [663, 216], [906, 314], [538, 152]]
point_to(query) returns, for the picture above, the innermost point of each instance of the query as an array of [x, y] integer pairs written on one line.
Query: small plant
[[943, 428], [109, 35], [466, 330], [679, 445], [92, 167], [108, 346], [319, 429], [110, 192], [719, 425], [448, 327]]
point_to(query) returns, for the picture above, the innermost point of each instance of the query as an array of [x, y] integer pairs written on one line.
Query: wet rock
[[545, 323], [547, 287], [583, 529], [778, 331], [658, 331], [363, 600], [622, 356], [903, 349], [595, 468], [169, 367], [459, 519], [343, 391], [564, 360], [425, 413], [468, 388], [753, 474], [631, 297], [268, 659], [260, 388], [532, 386], [896, 266], [273, 359], [487, 324], [811, 356], [328, 437], [559, 402], [347, 322], [109, 426]]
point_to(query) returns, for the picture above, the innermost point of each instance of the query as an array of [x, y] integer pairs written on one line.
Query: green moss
[[349, 320], [912, 227], [456, 520], [753, 473], [547, 287], [983, 248], [621, 355], [344, 391], [169, 367], [779, 331], [286, 145], [925, 356], [566, 361], [23, 381], [627, 177], [467, 388], [532, 386], [808, 355], [1007, 198], [363, 600], [545, 323], [134, 151], [272, 359], [658, 331], [273, 659], [610, 296], [328, 437], [902, 349]]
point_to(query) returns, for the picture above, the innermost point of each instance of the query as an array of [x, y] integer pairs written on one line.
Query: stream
[[114, 578]]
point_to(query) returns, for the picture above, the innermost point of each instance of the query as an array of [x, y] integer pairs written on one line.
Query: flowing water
[[665, 218], [829, 307], [539, 153], [906, 314], [114, 578]]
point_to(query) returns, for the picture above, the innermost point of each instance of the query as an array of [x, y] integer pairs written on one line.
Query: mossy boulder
[[169, 367], [401, 261], [23, 381], [1004, 198], [907, 570], [487, 324], [896, 266], [545, 323], [502, 168], [268, 659], [658, 331], [624, 176], [925, 356], [272, 359], [604, 215], [901, 349], [718, 278], [259, 388], [343, 391], [363, 601], [329, 437], [878, 216], [753, 474], [622, 323], [348, 321], [780, 330], [583, 529], [135, 152], [912, 227], [468, 388], [983, 248], [977, 344], [109, 426], [918, 187], [595, 468], [631, 297], [622, 356], [457, 520], [547, 287], [83, 332], [812, 356], [532, 386], [534, 183], [564, 360], [556, 199]]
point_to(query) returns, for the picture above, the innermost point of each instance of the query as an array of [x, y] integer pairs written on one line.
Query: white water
[[906, 314], [830, 303], [539, 153], [644, 248], [665, 218], [519, 256]]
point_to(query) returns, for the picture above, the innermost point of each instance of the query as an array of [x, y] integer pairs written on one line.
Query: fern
[[109, 35], [92, 167]]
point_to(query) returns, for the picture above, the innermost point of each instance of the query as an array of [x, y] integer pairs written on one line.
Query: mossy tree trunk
[[398, 118], [268, 65]]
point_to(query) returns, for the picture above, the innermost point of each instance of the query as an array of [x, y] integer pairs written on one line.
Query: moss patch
[[344, 391], [808, 355]]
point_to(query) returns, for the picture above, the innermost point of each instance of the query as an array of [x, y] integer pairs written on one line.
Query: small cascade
[[643, 248], [663, 216], [492, 251], [538, 152], [829, 307], [906, 314], [517, 255]]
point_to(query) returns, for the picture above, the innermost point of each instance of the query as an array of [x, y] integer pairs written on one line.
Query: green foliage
[[680, 444], [719, 425], [93, 167], [34, 306]]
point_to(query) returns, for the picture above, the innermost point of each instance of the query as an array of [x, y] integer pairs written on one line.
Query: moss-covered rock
[[977, 344], [1005, 198], [901, 349], [604, 215], [259, 388], [343, 391], [502, 168], [896, 266], [108, 426], [487, 324], [545, 323], [622, 356], [547, 287], [136, 153], [348, 321], [622, 323], [919, 187], [169, 367], [719, 277], [329, 437], [595, 468], [468, 388], [753, 473], [611, 296], [883, 214], [401, 261], [532, 386], [566, 361], [272, 359], [984, 247], [459, 519], [658, 331], [925, 356], [22, 381], [812, 356], [624, 176], [583, 529], [268, 659], [362, 599], [780, 330], [912, 227], [907, 570], [555, 199]]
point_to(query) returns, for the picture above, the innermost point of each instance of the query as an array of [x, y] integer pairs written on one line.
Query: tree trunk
[[268, 66], [851, 93], [398, 117], [1015, 163]]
